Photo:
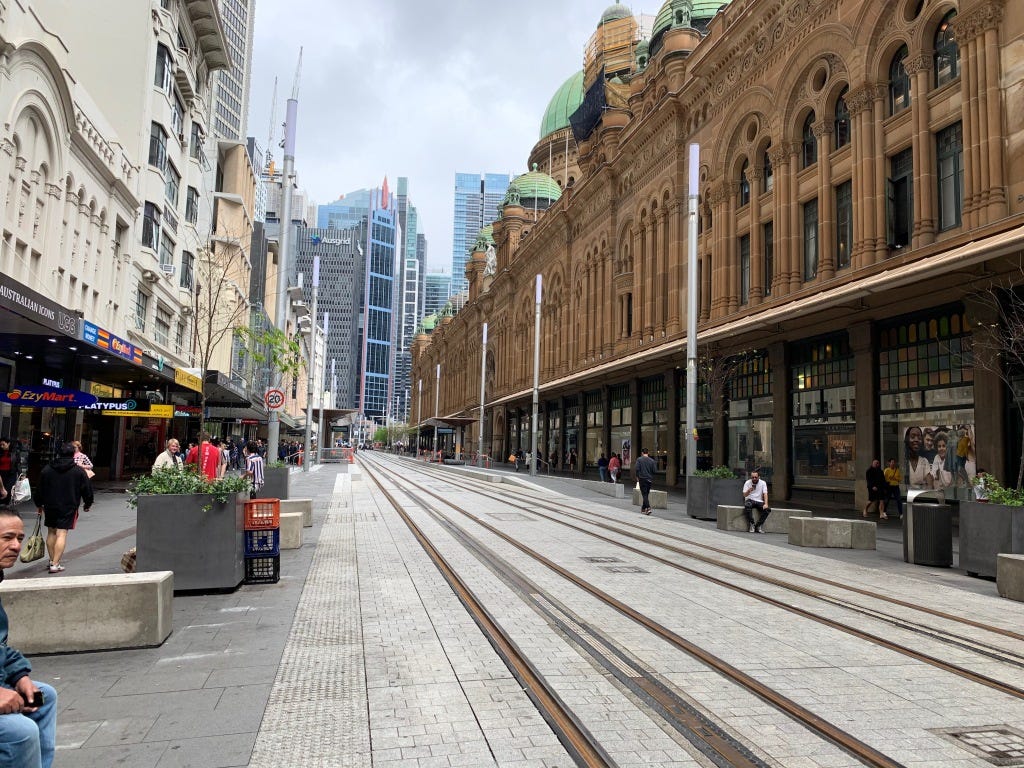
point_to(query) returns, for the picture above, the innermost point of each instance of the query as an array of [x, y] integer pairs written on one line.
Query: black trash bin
[[927, 531]]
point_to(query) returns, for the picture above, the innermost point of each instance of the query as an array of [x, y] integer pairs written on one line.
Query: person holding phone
[[28, 710]]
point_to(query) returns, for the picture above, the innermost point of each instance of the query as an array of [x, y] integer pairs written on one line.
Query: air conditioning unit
[[167, 269], [186, 310]]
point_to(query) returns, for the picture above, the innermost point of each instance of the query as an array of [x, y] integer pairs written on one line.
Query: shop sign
[[27, 303], [52, 383], [187, 411], [104, 339], [189, 380], [47, 397], [100, 390], [248, 421], [156, 411], [119, 404]]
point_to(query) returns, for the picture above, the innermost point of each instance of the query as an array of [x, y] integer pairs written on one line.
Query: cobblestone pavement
[[363, 656]]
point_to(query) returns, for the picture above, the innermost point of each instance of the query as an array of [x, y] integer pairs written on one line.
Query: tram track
[[623, 528], [661, 698]]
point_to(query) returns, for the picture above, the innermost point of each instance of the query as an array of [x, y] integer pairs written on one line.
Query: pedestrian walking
[[602, 468], [8, 469], [614, 467], [755, 496], [62, 487], [253, 467], [82, 460], [893, 478], [28, 710], [170, 457], [878, 489], [645, 469]]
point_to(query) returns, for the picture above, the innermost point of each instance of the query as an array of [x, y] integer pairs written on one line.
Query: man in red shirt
[[208, 457]]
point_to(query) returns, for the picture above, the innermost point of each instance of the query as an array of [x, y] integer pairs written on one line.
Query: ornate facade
[[861, 192]]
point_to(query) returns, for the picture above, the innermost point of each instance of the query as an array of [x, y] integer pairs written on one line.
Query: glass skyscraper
[[229, 107], [476, 205]]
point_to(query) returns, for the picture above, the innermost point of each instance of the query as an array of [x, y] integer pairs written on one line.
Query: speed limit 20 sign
[[274, 399]]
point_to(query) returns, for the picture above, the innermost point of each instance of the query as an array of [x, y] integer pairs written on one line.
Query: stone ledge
[[832, 532], [658, 499], [291, 530], [1010, 576], [305, 506], [71, 614], [731, 518]]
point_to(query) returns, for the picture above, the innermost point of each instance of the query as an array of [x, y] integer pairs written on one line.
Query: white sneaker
[[751, 528]]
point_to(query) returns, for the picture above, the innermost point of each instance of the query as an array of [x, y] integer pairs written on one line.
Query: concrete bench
[[305, 506], [731, 518], [291, 530], [831, 532], [72, 614], [1010, 576], [658, 499]]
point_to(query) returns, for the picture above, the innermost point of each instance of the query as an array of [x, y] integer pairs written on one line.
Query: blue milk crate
[[264, 542]]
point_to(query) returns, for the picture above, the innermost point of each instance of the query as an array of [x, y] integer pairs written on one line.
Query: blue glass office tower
[[379, 305], [476, 205]]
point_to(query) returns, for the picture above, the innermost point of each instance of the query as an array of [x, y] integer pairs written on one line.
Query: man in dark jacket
[[63, 485], [878, 489], [28, 728], [645, 469]]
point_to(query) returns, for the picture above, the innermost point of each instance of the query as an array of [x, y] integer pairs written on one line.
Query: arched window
[[809, 147], [744, 185], [842, 123], [899, 82], [947, 52], [767, 178]]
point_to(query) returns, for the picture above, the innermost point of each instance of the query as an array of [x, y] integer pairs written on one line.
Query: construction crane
[[270, 136]]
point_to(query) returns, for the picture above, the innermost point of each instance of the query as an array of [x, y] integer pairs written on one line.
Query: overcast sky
[[416, 89]]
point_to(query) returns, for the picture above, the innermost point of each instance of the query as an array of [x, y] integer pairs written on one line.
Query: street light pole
[[536, 378], [419, 416], [437, 400], [691, 317], [483, 373], [312, 366]]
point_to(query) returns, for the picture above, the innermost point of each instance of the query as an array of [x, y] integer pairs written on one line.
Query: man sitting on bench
[[28, 710], [755, 496]]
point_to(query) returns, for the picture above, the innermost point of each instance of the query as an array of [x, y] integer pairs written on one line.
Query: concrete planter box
[[204, 549], [987, 530], [704, 494], [275, 483]]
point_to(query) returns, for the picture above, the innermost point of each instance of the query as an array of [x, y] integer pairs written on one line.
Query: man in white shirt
[[755, 496]]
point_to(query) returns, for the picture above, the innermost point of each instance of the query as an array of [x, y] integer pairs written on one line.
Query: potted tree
[[989, 527], [707, 488], [192, 526]]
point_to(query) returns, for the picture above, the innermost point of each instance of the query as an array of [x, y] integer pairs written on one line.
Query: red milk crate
[[262, 513], [262, 570], [263, 542]]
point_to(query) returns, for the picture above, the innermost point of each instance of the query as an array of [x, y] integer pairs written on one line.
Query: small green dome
[[428, 324], [705, 10], [536, 185], [615, 12], [567, 99], [484, 238]]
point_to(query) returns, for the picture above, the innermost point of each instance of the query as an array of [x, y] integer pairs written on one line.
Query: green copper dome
[[566, 100], [615, 12], [706, 9], [683, 13], [536, 185]]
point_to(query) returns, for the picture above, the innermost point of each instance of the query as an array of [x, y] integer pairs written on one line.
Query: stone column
[[867, 444], [782, 438], [859, 104], [755, 176], [650, 278], [826, 203], [879, 94], [989, 388], [731, 297], [793, 248], [780, 216]]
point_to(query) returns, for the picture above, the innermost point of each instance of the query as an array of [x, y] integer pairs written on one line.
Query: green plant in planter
[[276, 464], [997, 494], [169, 480], [721, 471]]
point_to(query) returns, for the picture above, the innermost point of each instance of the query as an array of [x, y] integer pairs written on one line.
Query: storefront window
[[704, 430], [927, 402], [622, 424], [595, 428], [750, 417], [654, 420], [553, 433], [824, 411]]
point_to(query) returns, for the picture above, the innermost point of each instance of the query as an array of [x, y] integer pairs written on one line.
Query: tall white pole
[[691, 316], [312, 369], [536, 378], [321, 375], [419, 415], [483, 374], [334, 390], [437, 400], [287, 175]]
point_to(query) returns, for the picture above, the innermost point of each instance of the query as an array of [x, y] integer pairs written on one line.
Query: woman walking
[[82, 460], [63, 485]]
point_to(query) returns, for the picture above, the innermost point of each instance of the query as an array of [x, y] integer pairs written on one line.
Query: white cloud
[[406, 88]]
